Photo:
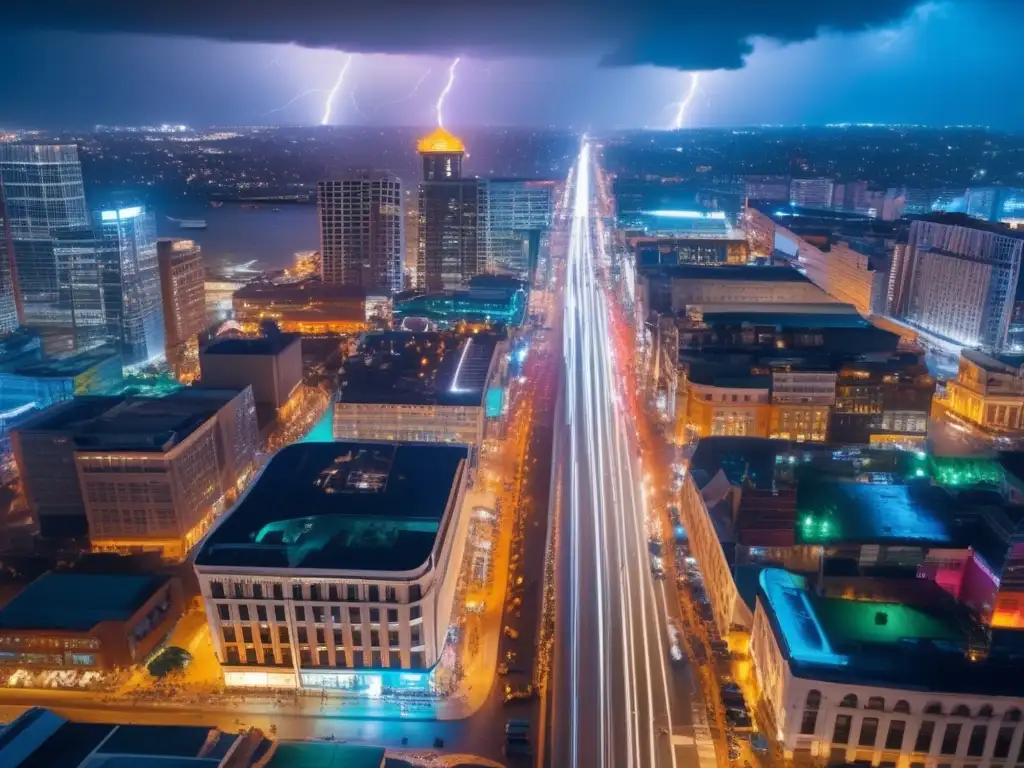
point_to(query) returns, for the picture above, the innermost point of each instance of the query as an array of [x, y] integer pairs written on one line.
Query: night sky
[[569, 63]]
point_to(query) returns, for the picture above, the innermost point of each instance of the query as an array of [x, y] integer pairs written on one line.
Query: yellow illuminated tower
[[452, 245]]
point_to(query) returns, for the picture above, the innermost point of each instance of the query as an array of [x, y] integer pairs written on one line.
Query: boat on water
[[192, 224]]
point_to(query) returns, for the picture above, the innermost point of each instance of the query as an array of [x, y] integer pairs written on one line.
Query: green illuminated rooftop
[[862, 621]]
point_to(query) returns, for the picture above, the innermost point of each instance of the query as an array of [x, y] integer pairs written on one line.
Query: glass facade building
[[114, 282], [42, 193]]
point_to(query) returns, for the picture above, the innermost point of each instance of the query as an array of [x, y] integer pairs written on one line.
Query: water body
[[235, 235]]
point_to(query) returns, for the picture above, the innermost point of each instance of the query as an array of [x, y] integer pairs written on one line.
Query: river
[[235, 235]]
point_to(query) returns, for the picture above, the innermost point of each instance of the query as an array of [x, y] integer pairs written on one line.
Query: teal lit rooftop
[[898, 633], [341, 506]]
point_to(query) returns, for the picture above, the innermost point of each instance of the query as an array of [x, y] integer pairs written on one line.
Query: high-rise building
[[994, 203], [144, 473], [956, 279], [43, 193], [183, 291], [811, 193], [362, 233], [518, 213], [452, 244], [10, 295], [113, 283]]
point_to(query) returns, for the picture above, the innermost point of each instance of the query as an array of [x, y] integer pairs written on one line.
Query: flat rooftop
[[340, 506], [125, 423], [744, 272], [314, 754], [67, 366], [920, 644], [855, 496], [792, 319], [303, 290], [265, 345], [411, 368], [77, 602]]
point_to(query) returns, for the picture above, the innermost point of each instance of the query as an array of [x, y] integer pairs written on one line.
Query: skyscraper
[[113, 283], [956, 279], [518, 212], [453, 216], [811, 193], [43, 193], [183, 293], [362, 231], [10, 314]]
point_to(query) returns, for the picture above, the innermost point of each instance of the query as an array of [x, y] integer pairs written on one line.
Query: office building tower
[[767, 188], [956, 279], [811, 193], [362, 233], [10, 295], [411, 212], [113, 282], [518, 213], [42, 192], [183, 294], [994, 203], [348, 553], [452, 244], [138, 473]]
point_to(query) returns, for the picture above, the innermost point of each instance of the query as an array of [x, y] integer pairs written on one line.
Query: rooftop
[[963, 220], [342, 506], [313, 754], [122, 423], [67, 366], [791, 319], [440, 141], [419, 368], [265, 345], [728, 272], [919, 643], [304, 290], [77, 602]]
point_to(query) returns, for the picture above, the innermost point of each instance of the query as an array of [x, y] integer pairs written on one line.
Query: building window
[[414, 593], [296, 591], [279, 613], [357, 638], [278, 592], [849, 701], [318, 614], [894, 738], [950, 739], [810, 718], [868, 732], [375, 615], [217, 589], [419, 660], [985, 711], [300, 613], [934, 708], [282, 635], [976, 743], [374, 638], [374, 594], [961, 710], [395, 660], [314, 591], [224, 612], [300, 632], [335, 615], [391, 594], [232, 654], [257, 591], [239, 592], [414, 613], [243, 612], [246, 634], [1003, 740], [352, 593], [875, 702], [902, 706], [261, 613], [392, 615], [339, 658], [924, 737], [1011, 716], [841, 734], [229, 634]]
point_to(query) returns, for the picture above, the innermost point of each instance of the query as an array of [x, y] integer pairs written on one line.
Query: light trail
[[329, 104], [444, 93], [685, 103]]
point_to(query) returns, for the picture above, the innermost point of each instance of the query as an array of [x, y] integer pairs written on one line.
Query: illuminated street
[[615, 700]]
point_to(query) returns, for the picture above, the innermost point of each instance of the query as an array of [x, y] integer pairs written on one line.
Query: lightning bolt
[[329, 104], [445, 92], [681, 107], [409, 95], [355, 105], [292, 100]]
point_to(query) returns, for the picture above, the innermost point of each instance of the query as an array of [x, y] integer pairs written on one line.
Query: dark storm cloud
[[685, 34]]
